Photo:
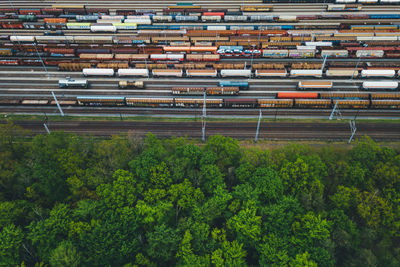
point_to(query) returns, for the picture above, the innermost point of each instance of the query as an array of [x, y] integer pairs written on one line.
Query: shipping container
[[380, 85], [133, 72], [98, 72], [306, 85], [311, 73], [201, 73], [235, 73], [378, 73]]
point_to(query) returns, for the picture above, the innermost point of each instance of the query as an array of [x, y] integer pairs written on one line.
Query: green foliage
[[65, 255], [11, 238], [69, 200]]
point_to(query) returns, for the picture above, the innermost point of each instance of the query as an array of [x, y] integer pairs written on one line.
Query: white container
[[311, 73], [120, 17], [216, 28], [275, 53], [378, 73], [380, 85], [318, 43], [334, 53], [22, 38], [103, 28], [370, 53], [133, 72], [235, 73], [98, 72], [139, 21]]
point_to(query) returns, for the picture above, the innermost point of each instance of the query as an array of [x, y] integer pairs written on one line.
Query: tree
[[230, 254], [65, 255], [226, 149], [11, 238], [163, 244], [302, 260]]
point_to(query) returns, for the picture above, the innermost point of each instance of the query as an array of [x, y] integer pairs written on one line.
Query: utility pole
[[41, 60], [258, 127], [58, 104], [203, 119], [335, 111], [353, 129], [47, 129], [323, 63]]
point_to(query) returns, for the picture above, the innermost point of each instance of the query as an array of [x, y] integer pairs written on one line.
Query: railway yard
[[292, 59]]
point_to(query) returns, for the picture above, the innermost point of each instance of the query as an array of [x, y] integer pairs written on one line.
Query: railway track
[[241, 130], [197, 112]]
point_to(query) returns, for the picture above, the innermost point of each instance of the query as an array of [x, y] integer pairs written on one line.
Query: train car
[[125, 26], [188, 90], [149, 102], [98, 72], [34, 25], [305, 73], [275, 103], [101, 100], [380, 85], [27, 18], [78, 26], [257, 18], [230, 50], [181, 18], [290, 18], [351, 104], [103, 28], [172, 57], [222, 91], [311, 85], [235, 73], [240, 102], [259, 73], [370, 53], [130, 84], [139, 21], [22, 38], [229, 18], [167, 73], [6, 52], [256, 8], [313, 103], [296, 95], [68, 82], [334, 53], [390, 95], [133, 72], [275, 53], [351, 72], [30, 11], [162, 18], [243, 85], [35, 102], [132, 57], [378, 73], [302, 53], [197, 57], [201, 73], [347, 7], [385, 104], [211, 18]]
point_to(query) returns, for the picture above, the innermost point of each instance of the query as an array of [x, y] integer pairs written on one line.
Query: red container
[[283, 95], [222, 14], [30, 12], [55, 20]]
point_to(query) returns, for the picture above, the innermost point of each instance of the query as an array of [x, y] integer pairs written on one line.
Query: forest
[[75, 200]]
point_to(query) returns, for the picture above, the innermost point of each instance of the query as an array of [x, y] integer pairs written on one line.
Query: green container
[[184, 4], [29, 18]]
